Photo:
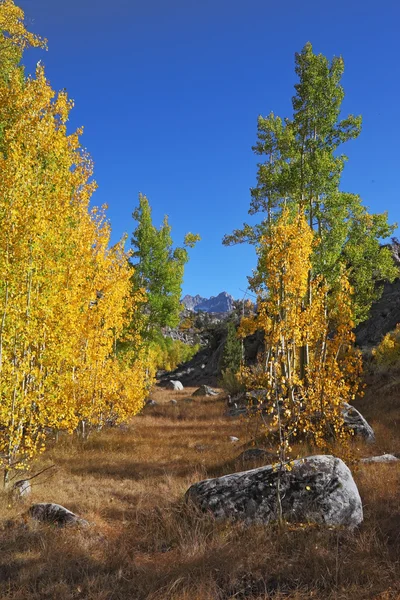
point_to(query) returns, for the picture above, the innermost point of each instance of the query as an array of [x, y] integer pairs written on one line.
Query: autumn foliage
[[65, 296], [309, 368]]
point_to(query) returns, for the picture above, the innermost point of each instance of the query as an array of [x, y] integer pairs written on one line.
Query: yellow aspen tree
[[301, 403], [64, 296]]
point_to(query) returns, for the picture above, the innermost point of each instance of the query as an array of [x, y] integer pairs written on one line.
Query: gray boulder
[[205, 390], [384, 458], [318, 489], [354, 420], [174, 385], [56, 514]]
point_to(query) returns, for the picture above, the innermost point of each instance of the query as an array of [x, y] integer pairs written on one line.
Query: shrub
[[387, 353]]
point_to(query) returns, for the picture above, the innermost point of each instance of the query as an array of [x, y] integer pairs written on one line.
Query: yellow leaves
[[309, 367], [64, 294], [388, 351], [12, 26]]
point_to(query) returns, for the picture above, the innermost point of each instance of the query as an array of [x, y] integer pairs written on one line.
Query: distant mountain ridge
[[222, 303]]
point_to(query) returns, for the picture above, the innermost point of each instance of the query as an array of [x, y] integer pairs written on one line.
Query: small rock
[[151, 403], [201, 447], [384, 458], [233, 438], [205, 390], [55, 513], [22, 488], [173, 401], [174, 385]]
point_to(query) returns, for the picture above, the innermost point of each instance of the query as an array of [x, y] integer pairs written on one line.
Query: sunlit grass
[[145, 542]]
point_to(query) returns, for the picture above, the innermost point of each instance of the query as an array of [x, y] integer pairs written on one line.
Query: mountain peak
[[222, 303]]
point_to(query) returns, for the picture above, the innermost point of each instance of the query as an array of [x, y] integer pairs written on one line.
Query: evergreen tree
[[158, 269], [232, 353], [302, 169]]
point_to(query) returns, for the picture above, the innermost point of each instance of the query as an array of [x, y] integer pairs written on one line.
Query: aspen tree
[[301, 165], [302, 403], [65, 297]]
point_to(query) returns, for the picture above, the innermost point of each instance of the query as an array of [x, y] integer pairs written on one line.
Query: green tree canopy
[[302, 167], [158, 269]]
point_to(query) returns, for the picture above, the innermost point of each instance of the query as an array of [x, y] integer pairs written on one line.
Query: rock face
[[174, 385], [190, 302], [354, 420], [318, 489], [205, 390], [383, 318], [222, 303], [55, 513]]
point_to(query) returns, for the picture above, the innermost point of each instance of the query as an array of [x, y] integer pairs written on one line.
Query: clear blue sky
[[169, 92]]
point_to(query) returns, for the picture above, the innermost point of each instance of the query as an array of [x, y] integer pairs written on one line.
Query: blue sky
[[169, 91]]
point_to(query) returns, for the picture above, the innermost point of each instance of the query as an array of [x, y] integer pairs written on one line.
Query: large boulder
[[55, 513], [174, 385], [354, 421], [318, 489]]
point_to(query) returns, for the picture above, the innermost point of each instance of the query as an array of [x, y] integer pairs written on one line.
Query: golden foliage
[[310, 367], [64, 295], [387, 353]]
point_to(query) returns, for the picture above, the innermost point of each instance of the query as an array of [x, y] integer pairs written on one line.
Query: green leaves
[[158, 268], [302, 168]]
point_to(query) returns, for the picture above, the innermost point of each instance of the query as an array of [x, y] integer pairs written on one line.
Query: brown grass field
[[146, 543]]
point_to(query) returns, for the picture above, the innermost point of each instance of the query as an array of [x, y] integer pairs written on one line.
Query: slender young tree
[[158, 269], [302, 167], [302, 401]]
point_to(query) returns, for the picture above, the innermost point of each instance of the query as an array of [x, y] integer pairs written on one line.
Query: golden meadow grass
[[145, 542]]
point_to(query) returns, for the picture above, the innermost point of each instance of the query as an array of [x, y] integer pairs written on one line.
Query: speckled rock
[[354, 420], [55, 513], [318, 489]]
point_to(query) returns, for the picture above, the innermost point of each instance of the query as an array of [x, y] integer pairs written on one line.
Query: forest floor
[[145, 542]]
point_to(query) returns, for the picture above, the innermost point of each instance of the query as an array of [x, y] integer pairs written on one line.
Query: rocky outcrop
[[318, 489], [174, 385], [383, 318], [354, 421], [205, 390], [190, 302], [223, 303], [56, 514]]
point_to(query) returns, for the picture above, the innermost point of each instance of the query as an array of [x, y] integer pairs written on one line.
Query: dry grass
[[146, 543]]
